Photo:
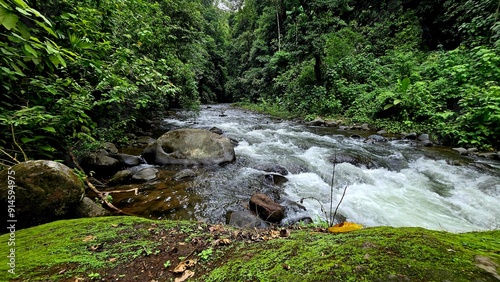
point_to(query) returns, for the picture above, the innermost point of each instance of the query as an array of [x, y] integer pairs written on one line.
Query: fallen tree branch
[[101, 195], [15, 142], [136, 190]]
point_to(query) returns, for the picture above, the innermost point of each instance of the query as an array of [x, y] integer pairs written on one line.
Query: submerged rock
[[184, 174], [121, 176], [128, 160], [44, 191], [190, 147], [276, 168], [145, 174]]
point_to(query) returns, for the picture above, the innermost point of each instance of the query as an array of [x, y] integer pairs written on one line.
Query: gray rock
[[184, 174], [89, 208], [423, 137], [276, 168], [355, 136], [381, 132], [472, 150], [365, 127], [216, 130], [461, 151], [376, 138], [411, 136], [317, 122], [331, 123], [128, 160], [275, 179], [45, 191], [121, 176], [100, 162], [426, 143], [244, 219], [190, 147], [493, 156], [110, 148], [356, 160], [145, 174]]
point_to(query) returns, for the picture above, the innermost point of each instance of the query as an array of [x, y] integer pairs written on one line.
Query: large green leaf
[[9, 21], [48, 29], [30, 50], [21, 4]]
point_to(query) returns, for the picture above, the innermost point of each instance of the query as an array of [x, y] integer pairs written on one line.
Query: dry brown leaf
[[181, 267], [95, 248], [218, 227], [221, 242], [187, 274], [112, 259], [274, 233]]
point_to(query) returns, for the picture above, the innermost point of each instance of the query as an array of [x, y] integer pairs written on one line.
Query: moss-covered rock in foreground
[[136, 249]]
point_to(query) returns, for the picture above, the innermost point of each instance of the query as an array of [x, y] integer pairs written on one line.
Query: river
[[407, 185]]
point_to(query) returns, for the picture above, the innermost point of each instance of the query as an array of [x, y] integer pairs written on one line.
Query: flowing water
[[400, 185]]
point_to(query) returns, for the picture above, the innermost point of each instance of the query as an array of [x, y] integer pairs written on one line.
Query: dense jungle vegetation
[[79, 72]]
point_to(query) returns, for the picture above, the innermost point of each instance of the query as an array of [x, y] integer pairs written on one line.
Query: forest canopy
[[75, 73]]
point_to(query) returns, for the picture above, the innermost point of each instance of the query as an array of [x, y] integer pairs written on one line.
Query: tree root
[[103, 196]]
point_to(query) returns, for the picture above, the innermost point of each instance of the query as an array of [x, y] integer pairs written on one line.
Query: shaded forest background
[[79, 72]]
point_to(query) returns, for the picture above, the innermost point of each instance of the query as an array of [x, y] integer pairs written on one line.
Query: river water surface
[[403, 185]]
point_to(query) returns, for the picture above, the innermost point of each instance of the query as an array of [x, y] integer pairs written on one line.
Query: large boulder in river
[[44, 191], [189, 147]]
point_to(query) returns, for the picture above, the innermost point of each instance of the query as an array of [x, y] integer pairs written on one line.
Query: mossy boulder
[[189, 147], [44, 191]]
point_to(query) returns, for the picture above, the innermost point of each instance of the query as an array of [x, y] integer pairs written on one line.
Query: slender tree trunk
[[317, 69], [279, 31]]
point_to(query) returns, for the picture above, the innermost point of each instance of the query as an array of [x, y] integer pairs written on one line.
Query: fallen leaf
[[344, 227], [274, 233], [181, 267], [95, 248], [221, 242], [112, 259], [187, 274]]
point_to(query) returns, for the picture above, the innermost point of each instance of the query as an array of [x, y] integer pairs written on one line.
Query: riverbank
[[136, 249]]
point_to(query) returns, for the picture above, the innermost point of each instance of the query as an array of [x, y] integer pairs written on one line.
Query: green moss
[[372, 254], [78, 246]]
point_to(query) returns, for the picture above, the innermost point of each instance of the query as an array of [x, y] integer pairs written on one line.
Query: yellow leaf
[[344, 227], [89, 238]]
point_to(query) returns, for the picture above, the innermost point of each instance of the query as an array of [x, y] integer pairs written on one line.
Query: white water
[[419, 188]]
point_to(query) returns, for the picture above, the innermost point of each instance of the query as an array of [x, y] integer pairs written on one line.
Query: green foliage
[[371, 63], [206, 254], [96, 69]]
